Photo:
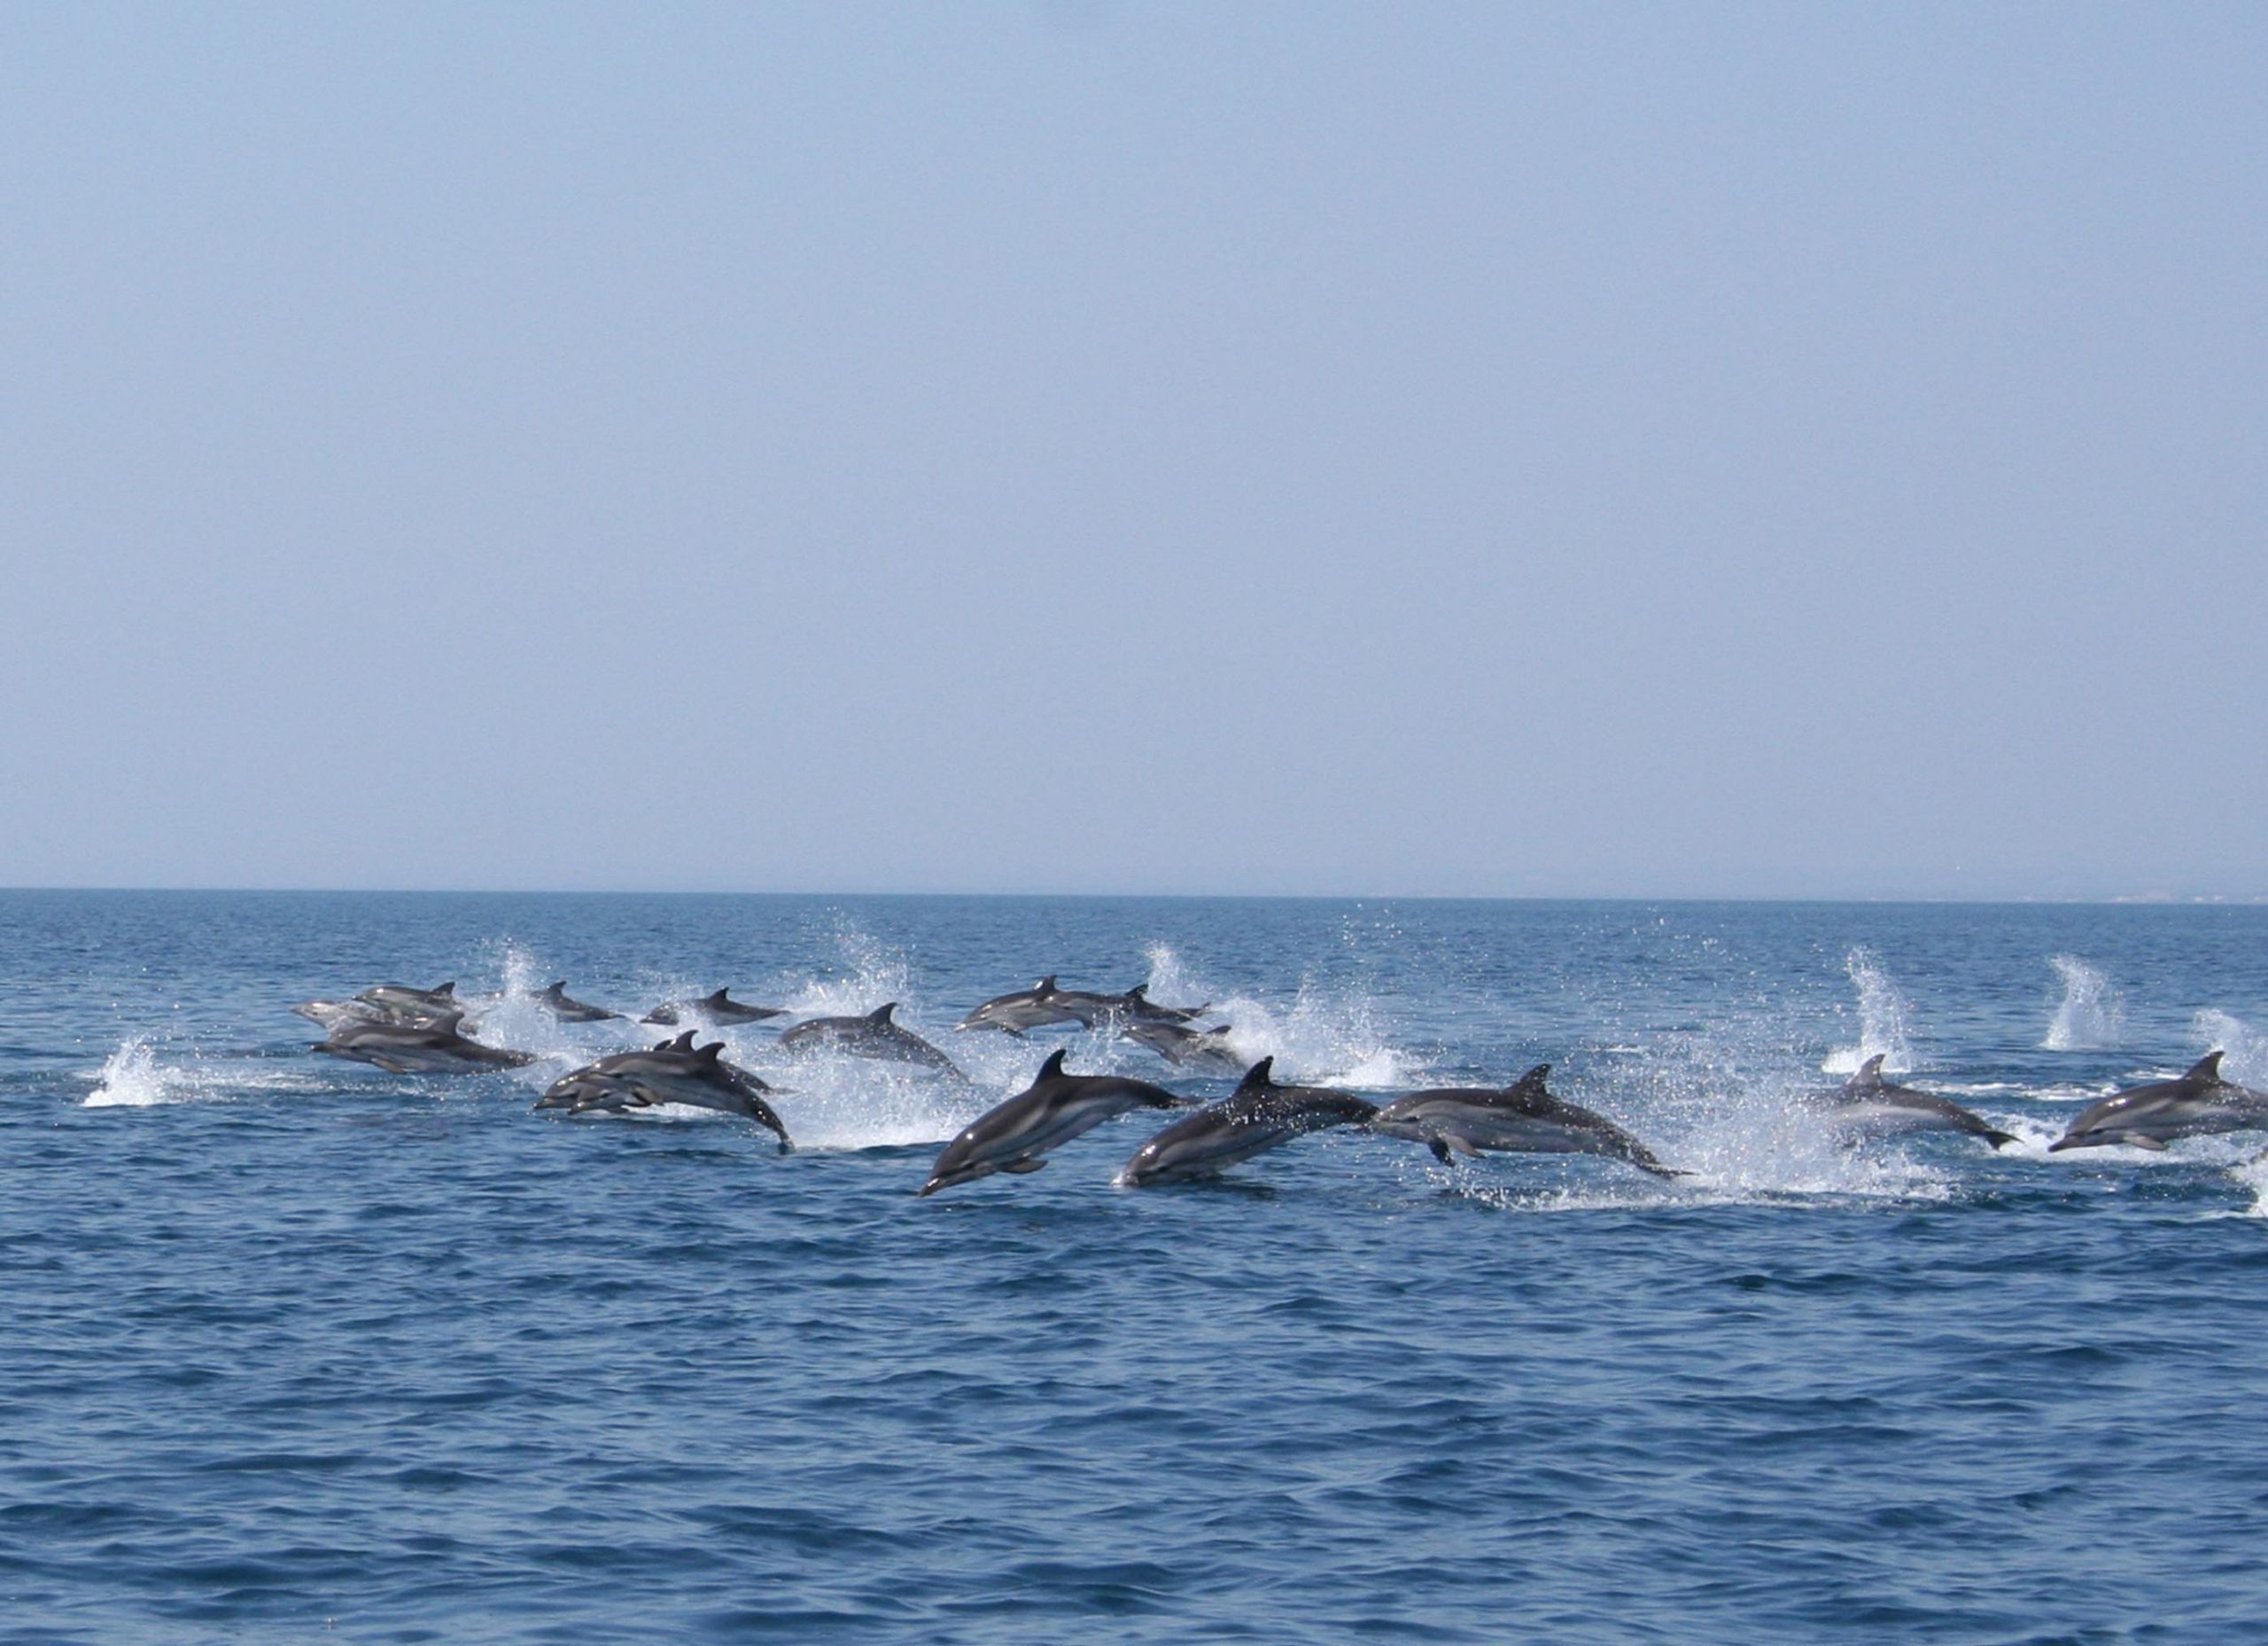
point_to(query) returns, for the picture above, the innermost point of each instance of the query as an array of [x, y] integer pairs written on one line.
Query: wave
[[2091, 1014]]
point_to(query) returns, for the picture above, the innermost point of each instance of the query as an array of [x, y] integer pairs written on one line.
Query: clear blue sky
[[1647, 450]]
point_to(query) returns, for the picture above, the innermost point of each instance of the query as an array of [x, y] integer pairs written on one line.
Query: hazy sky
[[1781, 450]]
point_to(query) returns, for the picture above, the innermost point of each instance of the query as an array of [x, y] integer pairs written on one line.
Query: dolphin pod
[[408, 1030]]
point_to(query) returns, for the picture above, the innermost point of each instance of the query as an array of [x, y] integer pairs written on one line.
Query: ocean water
[[296, 1350]]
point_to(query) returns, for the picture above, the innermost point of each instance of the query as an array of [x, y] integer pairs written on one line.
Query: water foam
[[1885, 1020], [2090, 1015], [133, 1076], [2244, 1049], [1325, 1036]]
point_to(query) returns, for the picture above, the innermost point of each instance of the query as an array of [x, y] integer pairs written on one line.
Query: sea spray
[[2090, 1014], [1884, 1017], [2244, 1049], [1328, 1035]]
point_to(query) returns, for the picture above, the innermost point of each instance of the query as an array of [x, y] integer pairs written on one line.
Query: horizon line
[[2111, 899]]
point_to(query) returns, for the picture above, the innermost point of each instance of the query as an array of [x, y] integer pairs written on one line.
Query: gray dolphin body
[[331, 1013], [1523, 1118], [408, 1004], [2149, 1117], [1871, 1106], [1135, 1006], [388, 1003], [1037, 1008], [673, 1072], [1053, 1109], [1259, 1116], [434, 1048], [873, 1036], [555, 1001], [1188, 1048], [717, 1008]]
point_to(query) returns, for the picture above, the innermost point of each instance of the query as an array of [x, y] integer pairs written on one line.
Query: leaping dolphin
[[1190, 1048], [1522, 1118], [434, 1048], [1053, 1109], [1036, 1007], [414, 1005], [873, 1036], [675, 1071], [1870, 1106], [555, 1001], [1135, 1006], [717, 1008], [2149, 1117], [1259, 1116]]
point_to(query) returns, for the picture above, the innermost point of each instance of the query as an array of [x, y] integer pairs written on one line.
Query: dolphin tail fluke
[[1999, 1139], [1440, 1151]]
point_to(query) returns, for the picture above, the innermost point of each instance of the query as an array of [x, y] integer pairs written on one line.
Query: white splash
[[1885, 1020], [1323, 1036], [2091, 1014], [132, 1079], [2244, 1049]]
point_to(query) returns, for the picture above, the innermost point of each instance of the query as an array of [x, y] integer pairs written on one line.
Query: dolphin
[[1053, 1109], [1034, 1007], [2149, 1117], [414, 1005], [331, 1013], [873, 1036], [1135, 1006], [1870, 1106], [717, 1008], [1523, 1118], [1192, 1049], [555, 1000], [432, 1048], [1259, 1116], [675, 1071]]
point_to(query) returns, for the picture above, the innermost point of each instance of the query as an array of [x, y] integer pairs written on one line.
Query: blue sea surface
[[297, 1350]]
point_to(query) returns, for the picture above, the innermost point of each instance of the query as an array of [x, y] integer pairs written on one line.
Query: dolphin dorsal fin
[[1869, 1074], [710, 1052], [1140, 991], [445, 1023], [718, 998], [1531, 1084], [683, 1042], [1045, 986], [449, 988], [1052, 1068], [880, 1014], [2207, 1071], [1261, 1074], [555, 991]]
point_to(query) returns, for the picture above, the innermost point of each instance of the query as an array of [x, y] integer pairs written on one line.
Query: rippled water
[[297, 1350]]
